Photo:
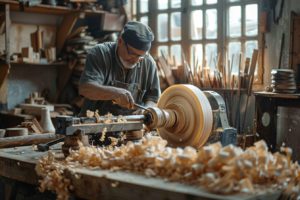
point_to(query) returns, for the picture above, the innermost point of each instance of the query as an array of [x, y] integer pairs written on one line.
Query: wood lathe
[[184, 116]]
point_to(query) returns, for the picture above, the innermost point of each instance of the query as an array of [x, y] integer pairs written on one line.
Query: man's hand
[[123, 98]]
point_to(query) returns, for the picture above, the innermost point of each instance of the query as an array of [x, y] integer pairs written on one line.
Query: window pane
[[196, 54], [250, 45], [163, 50], [163, 4], [176, 26], [211, 23], [234, 50], [197, 2], [211, 1], [162, 27], [144, 20], [144, 6], [234, 0], [176, 54], [211, 53], [235, 21], [251, 19], [196, 24], [175, 3]]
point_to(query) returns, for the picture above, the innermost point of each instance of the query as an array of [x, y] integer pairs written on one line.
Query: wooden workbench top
[[19, 164]]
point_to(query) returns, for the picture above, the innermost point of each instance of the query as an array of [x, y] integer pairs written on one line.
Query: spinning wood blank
[[190, 113]]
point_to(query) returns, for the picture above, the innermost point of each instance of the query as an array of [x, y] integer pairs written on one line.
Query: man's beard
[[126, 64]]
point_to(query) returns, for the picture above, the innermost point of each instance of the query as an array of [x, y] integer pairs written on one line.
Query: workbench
[[19, 164]]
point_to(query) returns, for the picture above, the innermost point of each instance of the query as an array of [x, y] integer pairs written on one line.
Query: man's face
[[130, 56]]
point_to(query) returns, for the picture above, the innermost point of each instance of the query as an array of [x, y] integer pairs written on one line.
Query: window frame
[[223, 39]]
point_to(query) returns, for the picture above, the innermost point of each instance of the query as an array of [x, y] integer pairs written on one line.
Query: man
[[117, 75]]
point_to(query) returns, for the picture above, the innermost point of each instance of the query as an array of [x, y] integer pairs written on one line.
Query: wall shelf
[[20, 64], [48, 9]]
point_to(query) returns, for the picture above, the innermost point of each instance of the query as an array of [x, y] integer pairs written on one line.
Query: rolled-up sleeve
[[94, 71]]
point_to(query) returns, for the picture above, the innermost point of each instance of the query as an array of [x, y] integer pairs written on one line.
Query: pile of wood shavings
[[224, 170]]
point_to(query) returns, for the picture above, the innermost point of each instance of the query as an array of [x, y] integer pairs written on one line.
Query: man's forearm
[[96, 92]]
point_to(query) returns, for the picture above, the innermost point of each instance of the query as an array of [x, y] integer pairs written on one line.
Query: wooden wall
[[273, 39]]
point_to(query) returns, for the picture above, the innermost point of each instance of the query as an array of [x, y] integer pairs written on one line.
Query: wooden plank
[[45, 9], [24, 64], [48, 9], [2, 23], [4, 69], [27, 140], [167, 70], [278, 95], [7, 33], [65, 29], [3, 97]]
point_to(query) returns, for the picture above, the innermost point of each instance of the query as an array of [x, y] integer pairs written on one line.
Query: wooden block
[[50, 54], [27, 52], [17, 111], [37, 40], [31, 127], [37, 124]]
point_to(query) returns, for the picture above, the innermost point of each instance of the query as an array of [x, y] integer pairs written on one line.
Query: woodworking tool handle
[[45, 146]]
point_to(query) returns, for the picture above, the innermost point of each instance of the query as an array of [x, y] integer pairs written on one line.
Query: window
[[242, 31], [168, 29], [203, 31], [139, 10]]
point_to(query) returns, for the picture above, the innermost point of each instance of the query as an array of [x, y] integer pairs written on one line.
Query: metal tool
[[140, 106], [46, 146]]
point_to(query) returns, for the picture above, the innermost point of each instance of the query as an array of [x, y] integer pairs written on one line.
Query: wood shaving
[[90, 113], [97, 116], [103, 134], [223, 170], [108, 119]]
